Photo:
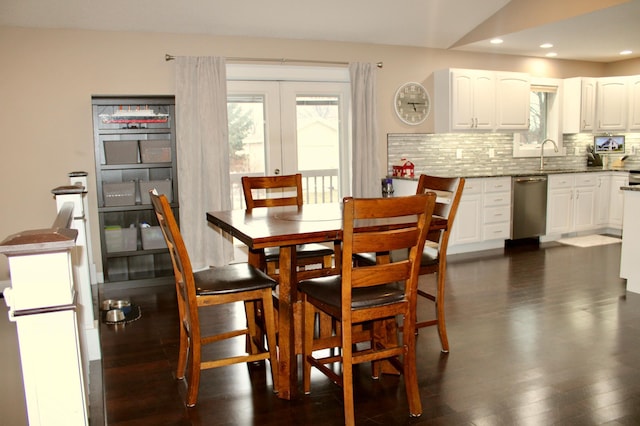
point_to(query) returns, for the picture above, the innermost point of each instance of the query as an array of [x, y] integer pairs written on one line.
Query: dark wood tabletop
[[286, 227]]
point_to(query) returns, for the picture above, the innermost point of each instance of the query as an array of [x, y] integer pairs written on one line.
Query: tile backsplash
[[438, 153]]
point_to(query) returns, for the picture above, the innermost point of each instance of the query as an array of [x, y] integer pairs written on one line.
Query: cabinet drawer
[[497, 231], [472, 186], [560, 181], [497, 184], [497, 214], [589, 179], [497, 199]]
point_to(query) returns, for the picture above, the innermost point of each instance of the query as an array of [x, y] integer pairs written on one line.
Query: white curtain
[[203, 156], [364, 159]]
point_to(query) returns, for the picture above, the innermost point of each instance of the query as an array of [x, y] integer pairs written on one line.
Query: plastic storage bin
[[120, 239], [121, 152], [162, 186], [155, 151], [119, 194], [152, 238]]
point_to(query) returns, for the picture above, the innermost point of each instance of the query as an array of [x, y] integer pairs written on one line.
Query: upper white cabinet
[[611, 103], [579, 105], [472, 100], [634, 102], [480, 100], [513, 92]]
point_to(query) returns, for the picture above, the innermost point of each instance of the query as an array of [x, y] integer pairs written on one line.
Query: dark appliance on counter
[[593, 159], [634, 177]]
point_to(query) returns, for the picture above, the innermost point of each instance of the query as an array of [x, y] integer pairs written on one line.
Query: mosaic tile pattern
[[436, 153]]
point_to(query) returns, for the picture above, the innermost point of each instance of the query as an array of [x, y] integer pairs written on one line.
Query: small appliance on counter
[[593, 159]]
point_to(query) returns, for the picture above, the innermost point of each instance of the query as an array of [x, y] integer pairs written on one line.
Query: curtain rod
[[168, 57]]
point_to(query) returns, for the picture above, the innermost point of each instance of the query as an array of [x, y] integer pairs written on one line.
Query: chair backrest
[[449, 191], [185, 285], [277, 190], [363, 233]]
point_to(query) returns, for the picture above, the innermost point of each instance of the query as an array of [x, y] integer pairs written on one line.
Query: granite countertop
[[487, 174]]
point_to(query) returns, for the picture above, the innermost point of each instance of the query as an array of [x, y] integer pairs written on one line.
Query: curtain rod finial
[[168, 57]]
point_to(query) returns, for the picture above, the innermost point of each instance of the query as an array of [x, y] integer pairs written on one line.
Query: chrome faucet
[[555, 148]]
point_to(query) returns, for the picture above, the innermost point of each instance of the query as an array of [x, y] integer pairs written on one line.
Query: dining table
[[286, 227]]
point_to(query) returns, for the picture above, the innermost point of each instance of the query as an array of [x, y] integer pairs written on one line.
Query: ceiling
[[592, 30]]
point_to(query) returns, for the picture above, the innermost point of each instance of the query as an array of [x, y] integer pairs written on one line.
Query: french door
[[278, 127]]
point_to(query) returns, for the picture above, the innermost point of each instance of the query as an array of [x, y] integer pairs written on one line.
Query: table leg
[[287, 360]]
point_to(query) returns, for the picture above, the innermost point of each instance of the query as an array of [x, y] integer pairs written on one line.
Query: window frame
[[554, 123]]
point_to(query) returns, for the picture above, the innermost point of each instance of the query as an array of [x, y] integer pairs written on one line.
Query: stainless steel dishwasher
[[529, 213]]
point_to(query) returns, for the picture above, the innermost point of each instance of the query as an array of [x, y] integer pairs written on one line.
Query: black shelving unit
[[135, 149]]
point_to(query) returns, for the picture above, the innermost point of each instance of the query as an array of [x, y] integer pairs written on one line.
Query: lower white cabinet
[[467, 225], [616, 199], [571, 201], [484, 212], [585, 201]]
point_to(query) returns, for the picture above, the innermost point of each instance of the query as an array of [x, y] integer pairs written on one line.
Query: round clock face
[[412, 103]]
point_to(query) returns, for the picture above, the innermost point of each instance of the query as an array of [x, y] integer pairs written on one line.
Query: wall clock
[[412, 103]]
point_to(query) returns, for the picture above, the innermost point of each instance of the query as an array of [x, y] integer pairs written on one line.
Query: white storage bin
[[120, 239], [121, 152], [152, 238], [162, 186], [155, 151], [119, 194]]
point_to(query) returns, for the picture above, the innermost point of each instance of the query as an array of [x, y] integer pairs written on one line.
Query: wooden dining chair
[[370, 293], [283, 190], [434, 256], [238, 282]]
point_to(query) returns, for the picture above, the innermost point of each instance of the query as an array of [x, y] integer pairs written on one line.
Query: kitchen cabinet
[[467, 227], [496, 209], [513, 93], [579, 104], [634, 102], [603, 196], [135, 151], [484, 212], [611, 104], [472, 100], [469, 100], [571, 200], [616, 200]]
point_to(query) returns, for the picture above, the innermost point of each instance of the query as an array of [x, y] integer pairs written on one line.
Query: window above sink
[[544, 120]]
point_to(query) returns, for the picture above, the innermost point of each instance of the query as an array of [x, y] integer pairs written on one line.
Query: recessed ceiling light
[[626, 52], [546, 45], [496, 41], [551, 55]]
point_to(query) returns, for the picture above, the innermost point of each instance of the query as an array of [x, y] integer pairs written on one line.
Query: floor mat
[[589, 240]]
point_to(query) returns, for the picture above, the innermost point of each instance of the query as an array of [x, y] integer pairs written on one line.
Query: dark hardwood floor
[[539, 336]]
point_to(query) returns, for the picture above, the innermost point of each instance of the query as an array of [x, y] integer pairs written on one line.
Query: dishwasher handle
[[530, 179]]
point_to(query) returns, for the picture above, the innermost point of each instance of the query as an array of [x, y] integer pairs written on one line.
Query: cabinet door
[[472, 100], [611, 101], [484, 101], [616, 204], [603, 194], [585, 204], [634, 103], [513, 92], [559, 210], [467, 227], [462, 115], [587, 104]]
